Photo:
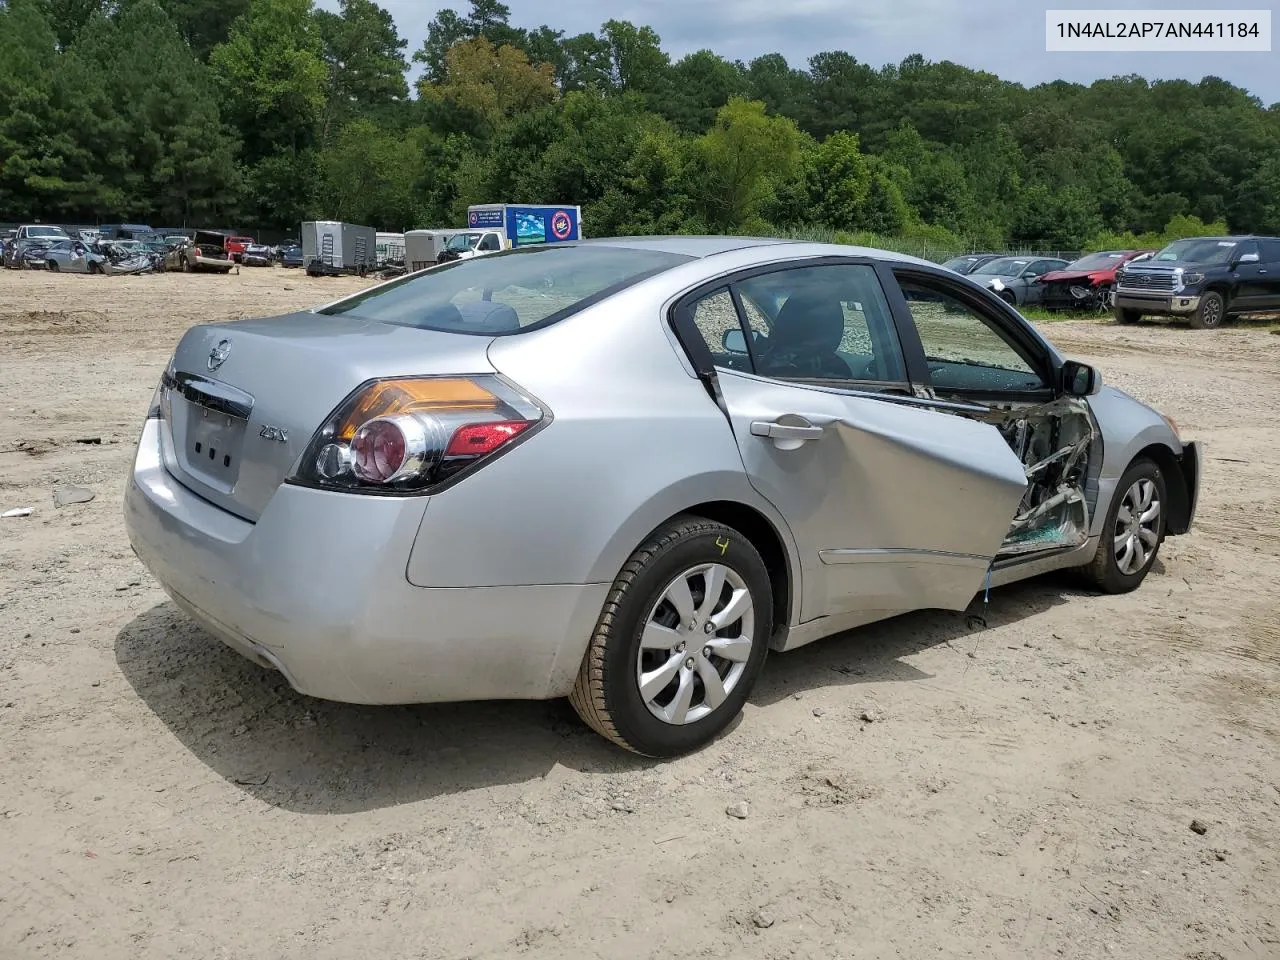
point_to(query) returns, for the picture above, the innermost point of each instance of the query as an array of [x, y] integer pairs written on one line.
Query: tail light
[[411, 434]]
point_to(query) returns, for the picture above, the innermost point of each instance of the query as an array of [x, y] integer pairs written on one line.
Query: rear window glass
[[509, 292]]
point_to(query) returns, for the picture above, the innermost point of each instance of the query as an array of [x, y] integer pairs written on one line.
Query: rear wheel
[[1211, 312], [1134, 530], [1127, 316], [681, 640], [95, 268]]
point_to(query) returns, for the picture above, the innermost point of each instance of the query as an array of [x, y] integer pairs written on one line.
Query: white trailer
[[329, 246], [422, 248]]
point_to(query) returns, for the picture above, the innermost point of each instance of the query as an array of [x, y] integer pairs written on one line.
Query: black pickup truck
[[1204, 279]]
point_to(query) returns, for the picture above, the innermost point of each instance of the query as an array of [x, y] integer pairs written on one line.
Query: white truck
[[500, 226]]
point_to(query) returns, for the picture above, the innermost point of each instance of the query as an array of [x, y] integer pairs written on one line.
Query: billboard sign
[[530, 225]]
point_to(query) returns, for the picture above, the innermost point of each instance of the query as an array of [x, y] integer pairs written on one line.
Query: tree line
[[269, 112]]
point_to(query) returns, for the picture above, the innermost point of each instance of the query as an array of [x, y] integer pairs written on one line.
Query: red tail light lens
[[478, 439], [408, 435]]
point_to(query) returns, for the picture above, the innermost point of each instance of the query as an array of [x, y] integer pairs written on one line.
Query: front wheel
[[1127, 316], [1134, 530], [1008, 298], [682, 637], [51, 266], [1211, 312]]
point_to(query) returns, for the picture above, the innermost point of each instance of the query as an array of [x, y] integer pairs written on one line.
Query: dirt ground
[[914, 789]]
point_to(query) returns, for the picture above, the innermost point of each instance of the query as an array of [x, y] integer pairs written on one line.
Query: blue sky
[[1005, 37]]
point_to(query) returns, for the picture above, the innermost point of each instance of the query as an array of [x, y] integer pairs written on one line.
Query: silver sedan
[[73, 256], [624, 470]]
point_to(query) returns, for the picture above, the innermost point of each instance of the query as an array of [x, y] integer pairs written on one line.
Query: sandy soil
[[1024, 790]]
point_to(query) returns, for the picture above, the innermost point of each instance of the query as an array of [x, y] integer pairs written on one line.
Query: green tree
[[367, 176], [840, 182], [636, 61], [738, 163], [166, 154], [364, 57], [272, 79], [484, 86], [205, 23], [700, 84], [46, 170]]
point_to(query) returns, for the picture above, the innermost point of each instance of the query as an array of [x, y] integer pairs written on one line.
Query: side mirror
[[1079, 379], [1247, 258], [734, 340]]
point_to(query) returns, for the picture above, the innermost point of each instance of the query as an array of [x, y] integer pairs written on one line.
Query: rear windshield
[[508, 292]]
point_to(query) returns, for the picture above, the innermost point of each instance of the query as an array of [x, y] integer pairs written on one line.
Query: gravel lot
[[914, 789]]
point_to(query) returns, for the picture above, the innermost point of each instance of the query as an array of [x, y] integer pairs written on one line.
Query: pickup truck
[[1203, 279], [236, 245], [472, 243], [30, 235]]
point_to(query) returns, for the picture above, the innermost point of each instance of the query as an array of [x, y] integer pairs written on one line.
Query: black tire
[[51, 266], [95, 268], [1104, 570], [1008, 298], [1211, 312], [1124, 315], [186, 265], [607, 692]]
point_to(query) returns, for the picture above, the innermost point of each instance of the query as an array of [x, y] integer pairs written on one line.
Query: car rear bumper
[[1166, 304], [210, 263], [317, 589]]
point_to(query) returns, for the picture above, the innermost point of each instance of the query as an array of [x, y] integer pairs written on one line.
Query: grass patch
[[1041, 315]]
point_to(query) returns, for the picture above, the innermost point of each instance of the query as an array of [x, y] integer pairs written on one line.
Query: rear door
[[893, 504], [1269, 274]]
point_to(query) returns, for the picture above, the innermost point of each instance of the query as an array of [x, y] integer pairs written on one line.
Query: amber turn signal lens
[[388, 398]]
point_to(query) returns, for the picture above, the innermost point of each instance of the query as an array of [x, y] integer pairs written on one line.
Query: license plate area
[[209, 421], [214, 444]]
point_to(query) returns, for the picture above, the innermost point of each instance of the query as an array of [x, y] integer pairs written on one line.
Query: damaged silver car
[[624, 470]]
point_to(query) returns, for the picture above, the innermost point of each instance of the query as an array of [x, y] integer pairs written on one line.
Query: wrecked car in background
[[291, 255], [205, 251], [25, 249], [1013, 279], [125, 257], [74, 256], [795, 439], [256, 255], [969, 262], [1087, 283]]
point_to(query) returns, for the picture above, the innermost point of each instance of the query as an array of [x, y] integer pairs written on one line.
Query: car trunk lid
[[243, 399]]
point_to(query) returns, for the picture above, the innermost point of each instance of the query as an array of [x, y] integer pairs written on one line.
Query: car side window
[[964, 349], [1270, 251], [830, 322], [490, 242], [716, 320]]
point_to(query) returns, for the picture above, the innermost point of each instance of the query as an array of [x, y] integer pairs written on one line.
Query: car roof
[[701, 247]]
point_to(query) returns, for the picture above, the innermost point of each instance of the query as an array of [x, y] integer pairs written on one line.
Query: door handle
[[784, 431]]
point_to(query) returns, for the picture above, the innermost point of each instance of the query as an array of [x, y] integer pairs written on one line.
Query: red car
[[236, 245], [1087, 284]]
